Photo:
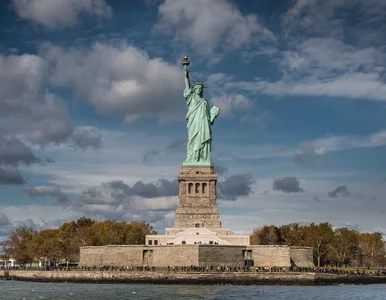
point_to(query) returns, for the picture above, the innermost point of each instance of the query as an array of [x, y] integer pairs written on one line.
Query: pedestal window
[[197, 188]]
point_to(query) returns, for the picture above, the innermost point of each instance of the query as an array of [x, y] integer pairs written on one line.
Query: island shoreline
[[195, 278]]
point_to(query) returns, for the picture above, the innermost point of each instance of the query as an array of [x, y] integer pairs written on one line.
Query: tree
[[291, 234], [5, 250], [319, 237], [18, 242], [108, 232], [266, 235], [112, 232], [45, 244], [371, 249], [136, 232], [270, 235], [74, 235], [343, 246], [255, 238]]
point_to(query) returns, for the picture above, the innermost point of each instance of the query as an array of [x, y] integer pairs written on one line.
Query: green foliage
[[45, 244], [27, 245], [19, 242], [344, 246], [335, 247]]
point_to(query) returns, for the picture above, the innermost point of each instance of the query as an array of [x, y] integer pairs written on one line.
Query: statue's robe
[[199, 129]]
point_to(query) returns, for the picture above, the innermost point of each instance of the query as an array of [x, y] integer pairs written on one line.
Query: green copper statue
[[200, 119]]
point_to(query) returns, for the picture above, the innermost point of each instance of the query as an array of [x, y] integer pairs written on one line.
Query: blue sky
[[92, 111]]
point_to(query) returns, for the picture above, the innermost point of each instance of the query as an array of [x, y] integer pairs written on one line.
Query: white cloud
[[326, 67], [75, 171], [337, 143], [330, 17], [119, 80], [160, 203], [327, 55], [241, 216], [38, 214], [38, 116], [229, 103], [21, 77], [137, 202], [210, 25], [277, 208], [51, 191], [55, 14]]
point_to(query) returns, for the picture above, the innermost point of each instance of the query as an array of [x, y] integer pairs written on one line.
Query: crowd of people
[[199, 269], [192, 268]]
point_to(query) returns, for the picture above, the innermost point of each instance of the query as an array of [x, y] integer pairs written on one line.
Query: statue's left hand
[[215, 110]]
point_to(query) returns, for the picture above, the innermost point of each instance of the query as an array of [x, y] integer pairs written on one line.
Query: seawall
[[164, 277]]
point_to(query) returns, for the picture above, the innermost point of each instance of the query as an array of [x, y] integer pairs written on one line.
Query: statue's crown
[[198, 82]]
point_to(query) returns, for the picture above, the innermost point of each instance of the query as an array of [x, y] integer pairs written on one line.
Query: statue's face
[[198, 90]]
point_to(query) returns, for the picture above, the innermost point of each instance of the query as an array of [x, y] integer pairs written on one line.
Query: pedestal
[[197, 198]]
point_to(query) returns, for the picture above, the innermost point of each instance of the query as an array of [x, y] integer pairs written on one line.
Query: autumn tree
[[255, 238], [18, 243], [25, 244], [344, 245], [291, 234], [5, 250], [341, 246], [72, 236], [270, 235], [371, 249], [112, 232], [319, 237], [136, 232], [108, 232], [45, 244]]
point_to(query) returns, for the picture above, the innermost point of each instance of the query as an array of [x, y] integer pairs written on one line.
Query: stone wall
[[198, 255], [221, 255], [239, 240], [130, 255], [176, 255], [111, 255], [267, 255], [164, 277], [302, 256]]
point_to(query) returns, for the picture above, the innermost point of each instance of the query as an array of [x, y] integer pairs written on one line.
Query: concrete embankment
[[159, 277]]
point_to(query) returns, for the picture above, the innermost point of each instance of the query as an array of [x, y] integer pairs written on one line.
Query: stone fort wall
[[302, 256], [197, 255], [221, 255], [271, 255], [130, 255]]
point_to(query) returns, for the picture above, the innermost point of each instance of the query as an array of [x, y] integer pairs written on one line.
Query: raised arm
[[187, 90], [187, 79]]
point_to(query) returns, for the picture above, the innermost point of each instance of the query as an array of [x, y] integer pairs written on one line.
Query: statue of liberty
[[200, 119]]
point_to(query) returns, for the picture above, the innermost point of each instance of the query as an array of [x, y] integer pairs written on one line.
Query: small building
[[9, 263]]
